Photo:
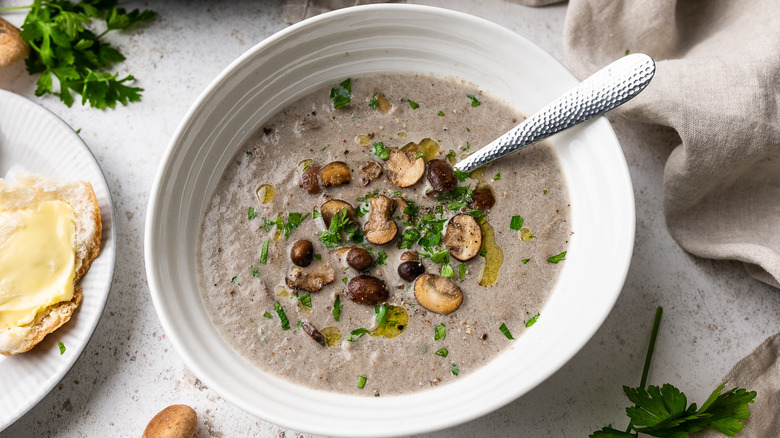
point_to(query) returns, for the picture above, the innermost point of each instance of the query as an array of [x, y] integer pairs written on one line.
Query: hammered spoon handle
[[606, 89]]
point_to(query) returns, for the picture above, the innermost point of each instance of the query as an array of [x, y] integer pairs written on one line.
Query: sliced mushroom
[[314, 333], [463, 237], [309, 179], [359, 259], [441, 176], [410, 270], [302, 253], [311, 280], [334, 206], [380, 228], [369, 171], [404, 169], [400, 206], [335, 174], [365, 289], [408, 256], [482, 198], [437, 294]]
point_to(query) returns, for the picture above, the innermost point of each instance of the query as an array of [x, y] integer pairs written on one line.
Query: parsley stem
[[14, 8], [648, 357]]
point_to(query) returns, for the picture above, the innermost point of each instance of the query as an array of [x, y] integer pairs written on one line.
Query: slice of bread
[[28, 190]]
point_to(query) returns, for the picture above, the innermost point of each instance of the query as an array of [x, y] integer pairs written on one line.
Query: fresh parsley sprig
[[664, 411], [63, 48]]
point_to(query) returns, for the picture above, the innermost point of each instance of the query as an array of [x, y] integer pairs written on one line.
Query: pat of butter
[[36, 262]]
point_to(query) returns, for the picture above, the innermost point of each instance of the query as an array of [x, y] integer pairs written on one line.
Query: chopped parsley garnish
[[268, 315], [516, 223], [264, 252], [544, 191], [441, 113], [468, 146], [372, 103], [461, 175], [526, 261], [361, 382], [381, 259], [305, 299], [342, 94], [497, 176], [447, 271], [505, 331], [440, 333], [294, 220], [442, 352], [451, 154], [345, 280], [454, 370], [462, 271], [315, 213], [413, 104], [356, 334], [557, 258], [255, 272], [381, 315], [252, 213], [300, 323], [532, 321], [381, 151], [337, 306], [61, 346], [331, 237], [318, 256], [482, 252], [474, 100], [234, 280], [282, 316], [409, 238]]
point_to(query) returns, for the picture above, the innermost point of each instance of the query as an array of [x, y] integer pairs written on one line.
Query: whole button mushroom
[[302, 253], [483, 199], [437, 294], [441, 176], [463, 237], [410, 270], [359, 259], [175, 421], [365, 289]]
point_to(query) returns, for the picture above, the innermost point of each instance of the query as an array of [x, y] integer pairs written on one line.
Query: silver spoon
[[606, 89]]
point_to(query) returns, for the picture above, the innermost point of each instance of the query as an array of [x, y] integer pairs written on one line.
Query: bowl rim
[[176, 146]]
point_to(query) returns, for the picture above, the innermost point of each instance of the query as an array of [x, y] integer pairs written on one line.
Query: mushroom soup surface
[[341, 250]]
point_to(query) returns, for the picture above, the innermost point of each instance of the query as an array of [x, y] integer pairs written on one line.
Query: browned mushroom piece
[[437, 294], [404, 169], [359, 259], [314, 333], [369, 171], [409, 270], [335, 174], [463, 237], [334, 206], [400, 206], [365, 289], [12, 46], [380, 228], [410, 256], [311, 280], [441, 176], [302, 253], [309, 180], [482, 198]]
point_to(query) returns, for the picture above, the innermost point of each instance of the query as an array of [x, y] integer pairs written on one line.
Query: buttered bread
[[50, 232]]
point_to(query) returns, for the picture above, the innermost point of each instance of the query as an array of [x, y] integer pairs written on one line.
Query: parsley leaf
[[532, 321], [505, 331], [264, 252], [282, 316], [361, 382], [441, 332], [337, 306], [516, 223], [342, 94], [381, 151], [356, 334], [443, 352], [474, 100], [252, 213], [413, 104], [557, 258], [305, 299], [454, 370], [61, 346]]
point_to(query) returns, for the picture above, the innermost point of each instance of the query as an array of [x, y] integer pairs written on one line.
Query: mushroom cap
[[333, 206], [359, 259], [411, 269], [379, 228], [335, 173], [309, 180], [365, 289], [369, 171], [437, 294], [310, 280], [302, 252], [441, 176], [404, 169], [463, 237]]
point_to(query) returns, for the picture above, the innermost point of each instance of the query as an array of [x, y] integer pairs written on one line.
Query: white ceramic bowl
[[322, 51]]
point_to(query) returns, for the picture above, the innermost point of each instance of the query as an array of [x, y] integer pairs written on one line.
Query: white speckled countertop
[[714, 313]]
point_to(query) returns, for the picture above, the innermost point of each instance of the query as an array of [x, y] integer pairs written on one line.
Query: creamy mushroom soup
[[341, 250]]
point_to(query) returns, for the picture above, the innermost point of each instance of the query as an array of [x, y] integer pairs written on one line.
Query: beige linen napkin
[[717, 85]]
